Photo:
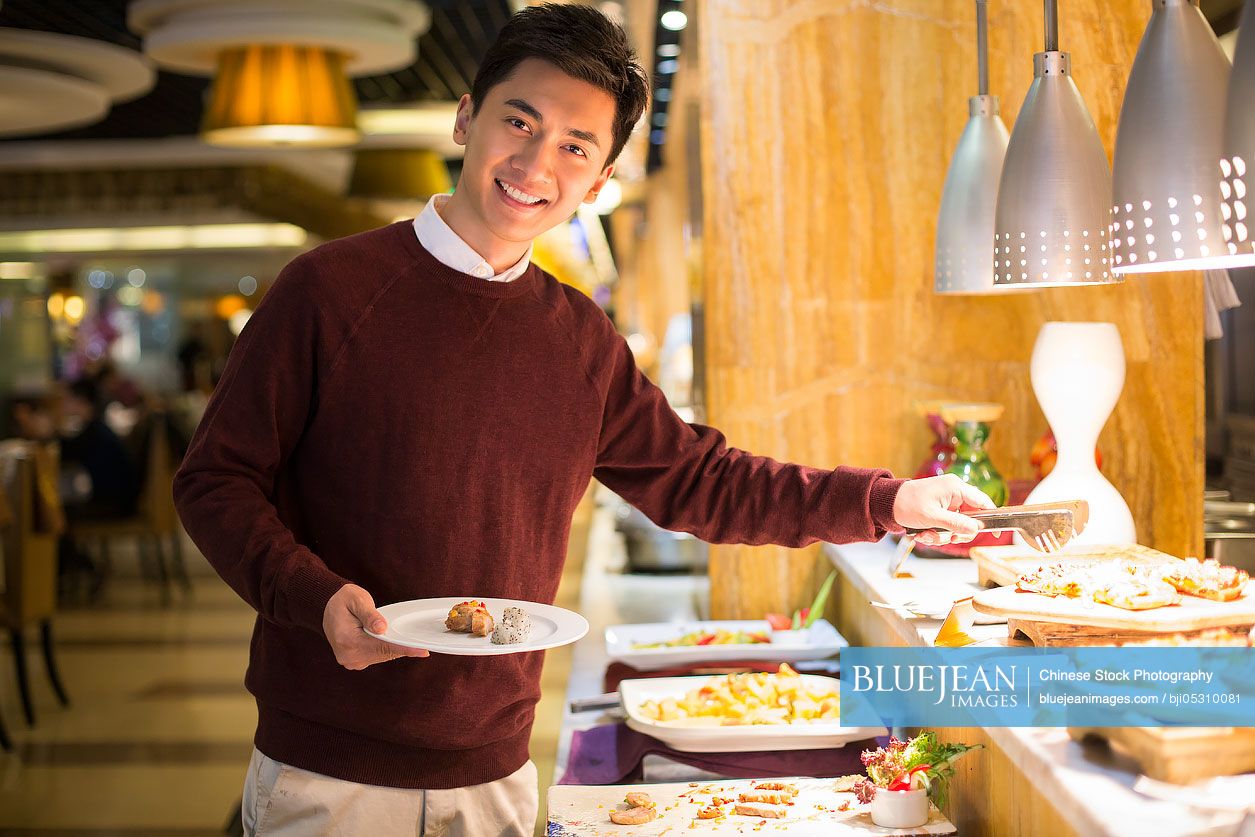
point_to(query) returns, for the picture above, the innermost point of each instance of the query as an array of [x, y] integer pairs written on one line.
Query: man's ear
[[598, 184], [462, 123]]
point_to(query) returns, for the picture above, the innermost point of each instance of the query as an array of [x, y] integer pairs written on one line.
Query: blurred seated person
[[31, 418], [121, 403], [88, 442]]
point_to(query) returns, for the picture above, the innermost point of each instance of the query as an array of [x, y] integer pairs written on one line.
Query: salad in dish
[[920, 762], [716, 637]]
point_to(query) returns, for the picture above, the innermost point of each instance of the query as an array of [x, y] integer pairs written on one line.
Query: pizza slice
[[1206, 579], [1136, 595], [1051, 580]]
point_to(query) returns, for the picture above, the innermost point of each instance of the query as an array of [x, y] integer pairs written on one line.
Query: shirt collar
[[439, 239]]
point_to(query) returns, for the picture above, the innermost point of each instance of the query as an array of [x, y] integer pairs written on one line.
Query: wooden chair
[[156, 521], [30, 574]]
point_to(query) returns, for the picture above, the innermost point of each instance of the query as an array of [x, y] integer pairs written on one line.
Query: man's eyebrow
[[519, 104], [586, 136]]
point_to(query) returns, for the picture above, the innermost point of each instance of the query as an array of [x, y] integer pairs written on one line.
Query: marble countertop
[[1092, 787]]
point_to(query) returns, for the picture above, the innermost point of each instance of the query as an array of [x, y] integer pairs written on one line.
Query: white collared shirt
[[439, 239]]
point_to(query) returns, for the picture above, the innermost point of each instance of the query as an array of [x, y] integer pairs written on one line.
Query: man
[[415, 412], [93, 446]]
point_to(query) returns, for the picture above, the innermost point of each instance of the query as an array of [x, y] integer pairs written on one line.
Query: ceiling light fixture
[[54, 82], [965, 223], [282, 66], [1054, 196], [113, 239], [1237, 163], [1166, 202], [399, 173], [675, 20]]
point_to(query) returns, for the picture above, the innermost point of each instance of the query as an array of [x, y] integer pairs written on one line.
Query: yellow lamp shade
[[277, 94], [399, 173]]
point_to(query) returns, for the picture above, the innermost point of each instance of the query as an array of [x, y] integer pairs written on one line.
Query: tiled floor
[[159, 731]]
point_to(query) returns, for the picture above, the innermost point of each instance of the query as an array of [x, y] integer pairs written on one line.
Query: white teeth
[[521, 197]]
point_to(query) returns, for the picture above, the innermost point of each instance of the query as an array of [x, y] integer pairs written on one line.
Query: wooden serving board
[[1180, 754], [1192, 614], [1001, 566], [584, 811]]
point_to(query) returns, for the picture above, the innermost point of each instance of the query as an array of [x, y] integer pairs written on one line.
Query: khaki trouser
[[286, 801]]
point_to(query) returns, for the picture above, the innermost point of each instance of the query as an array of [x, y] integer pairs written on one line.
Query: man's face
[[535, 151]]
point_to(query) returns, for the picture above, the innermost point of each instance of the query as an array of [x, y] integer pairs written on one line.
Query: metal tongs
[[1047, 527]]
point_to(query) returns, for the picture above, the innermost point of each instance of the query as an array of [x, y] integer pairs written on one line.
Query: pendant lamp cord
[[1052, 26], [982, 48]]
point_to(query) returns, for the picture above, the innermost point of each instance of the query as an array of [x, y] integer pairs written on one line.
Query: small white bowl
[[900, 809]]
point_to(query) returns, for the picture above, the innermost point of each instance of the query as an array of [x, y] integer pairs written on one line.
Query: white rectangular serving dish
[[818, 642], [808, 735]]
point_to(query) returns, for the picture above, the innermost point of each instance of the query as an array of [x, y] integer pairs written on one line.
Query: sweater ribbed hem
[[884, 492], [345, 755]]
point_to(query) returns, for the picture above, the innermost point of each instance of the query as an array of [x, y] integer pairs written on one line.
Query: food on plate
[[1207, 579], [761, 809], [1136, 585], [1136, 595], [719, 637], [791, 790], [1051, 580], [710, 812], [767, 796], [515, 627], [845, 784], [470, 617], [641, 809], [758, 698]]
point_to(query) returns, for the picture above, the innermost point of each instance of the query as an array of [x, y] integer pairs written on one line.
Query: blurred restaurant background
[[766, 245]]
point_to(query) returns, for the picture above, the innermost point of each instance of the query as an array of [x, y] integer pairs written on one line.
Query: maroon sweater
[[388, 421]]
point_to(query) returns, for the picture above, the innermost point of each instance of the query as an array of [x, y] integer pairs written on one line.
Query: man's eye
[[518, 123], [576, 149]]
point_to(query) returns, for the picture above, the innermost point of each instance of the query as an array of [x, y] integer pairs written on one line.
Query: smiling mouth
[[518, 196]]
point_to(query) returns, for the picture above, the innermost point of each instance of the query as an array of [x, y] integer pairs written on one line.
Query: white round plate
[[420, 624]]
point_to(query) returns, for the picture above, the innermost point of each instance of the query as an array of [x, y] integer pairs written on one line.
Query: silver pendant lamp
[[1237, 163], [1166, 211], [965, 223], [1054, 198]]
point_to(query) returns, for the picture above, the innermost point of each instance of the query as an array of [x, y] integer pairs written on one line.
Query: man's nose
[[534, 162]]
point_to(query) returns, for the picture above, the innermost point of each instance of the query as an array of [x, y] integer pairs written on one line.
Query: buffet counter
[[1030, 780]]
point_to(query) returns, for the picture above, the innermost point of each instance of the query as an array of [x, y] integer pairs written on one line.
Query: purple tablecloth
[[612, 754]]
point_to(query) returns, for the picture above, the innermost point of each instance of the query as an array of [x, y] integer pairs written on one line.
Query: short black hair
[[87, 390], [581, 42]]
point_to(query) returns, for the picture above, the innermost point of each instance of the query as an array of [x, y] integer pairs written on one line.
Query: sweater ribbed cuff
[[307, 589], [883, 493]]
